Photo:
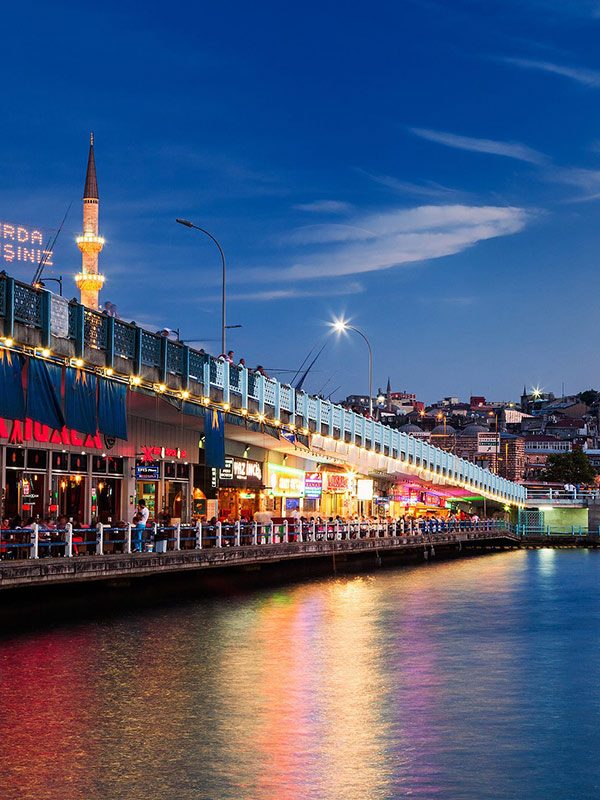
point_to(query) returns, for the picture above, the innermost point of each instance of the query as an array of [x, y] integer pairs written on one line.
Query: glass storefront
[[43, 484], [165, 488], [24, 494], [240, 484], [70, 494]]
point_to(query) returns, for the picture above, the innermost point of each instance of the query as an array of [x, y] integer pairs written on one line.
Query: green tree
[[590, 397], [571, 467]]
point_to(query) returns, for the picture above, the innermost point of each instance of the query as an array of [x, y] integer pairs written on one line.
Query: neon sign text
[[19, 432], [19, 243], [149, 453]]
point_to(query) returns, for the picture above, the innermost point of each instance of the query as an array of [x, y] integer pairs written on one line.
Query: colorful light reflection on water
[[471, 679]]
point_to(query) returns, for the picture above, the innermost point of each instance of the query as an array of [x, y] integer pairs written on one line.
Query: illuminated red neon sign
[[19, 432], [150, 453]]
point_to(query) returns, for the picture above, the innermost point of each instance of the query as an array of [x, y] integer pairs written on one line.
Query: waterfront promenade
[[29, 562]]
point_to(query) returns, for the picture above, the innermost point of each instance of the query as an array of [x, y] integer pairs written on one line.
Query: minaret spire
[[89, 281], [90, 191]]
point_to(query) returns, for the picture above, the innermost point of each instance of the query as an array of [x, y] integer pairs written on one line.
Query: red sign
[[313, 485], [19, 432], [149, 453], [338, 482]]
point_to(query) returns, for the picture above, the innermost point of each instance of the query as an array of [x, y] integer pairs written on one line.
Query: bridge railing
[[36, 542], [538, 531], [557, 496], [104, 342]]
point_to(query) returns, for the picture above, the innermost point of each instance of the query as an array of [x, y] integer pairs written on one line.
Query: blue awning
[[80, 401], [112, 408], [12, 396], [43, 393]]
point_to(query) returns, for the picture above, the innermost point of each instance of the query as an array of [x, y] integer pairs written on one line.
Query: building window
[[98, 464], [60, 462], [15, 457], [37, 459], [115, 465], [78, 462]]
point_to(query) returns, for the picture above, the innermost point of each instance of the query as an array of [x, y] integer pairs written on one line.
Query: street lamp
[[341, 326], [41, 284], [210, 236]]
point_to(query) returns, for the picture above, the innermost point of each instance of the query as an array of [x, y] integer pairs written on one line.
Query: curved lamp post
[[224, 295], [341, 326]]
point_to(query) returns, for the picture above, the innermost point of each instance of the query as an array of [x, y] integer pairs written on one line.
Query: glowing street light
[[342, 326]]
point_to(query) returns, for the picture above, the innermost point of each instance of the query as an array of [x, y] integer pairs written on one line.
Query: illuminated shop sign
[[150, 454], [285, 481], [339, 482], [364, 489], [19, 432], [149, 472], [241, 472], [313, 485], [19, 243]]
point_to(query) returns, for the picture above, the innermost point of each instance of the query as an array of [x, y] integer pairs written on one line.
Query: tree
[[574, 467], [590, 397]]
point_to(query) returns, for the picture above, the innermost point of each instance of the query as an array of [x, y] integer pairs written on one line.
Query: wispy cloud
[[459, 300], [381, 241], [586, 180], [582, 75], [325, 207], [516, 150], [283, 294], [426, 189]]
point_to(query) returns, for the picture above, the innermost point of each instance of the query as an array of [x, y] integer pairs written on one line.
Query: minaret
[[89, 281]]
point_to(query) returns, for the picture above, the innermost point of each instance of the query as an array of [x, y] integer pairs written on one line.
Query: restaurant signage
[[364, 489], [20, 432], [313, 485], [150, 454], [147, 472], [241, 472], [285, 481], [339, 482]]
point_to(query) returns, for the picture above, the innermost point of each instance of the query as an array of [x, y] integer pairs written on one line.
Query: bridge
[[35, 559], [40, 325]]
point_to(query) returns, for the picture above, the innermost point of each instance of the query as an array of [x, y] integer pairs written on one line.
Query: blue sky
[[429, 170]]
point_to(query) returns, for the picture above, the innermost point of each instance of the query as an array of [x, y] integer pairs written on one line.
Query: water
[[469, 679]]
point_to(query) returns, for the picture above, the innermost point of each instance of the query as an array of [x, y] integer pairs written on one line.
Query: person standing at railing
[[140, 518]]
